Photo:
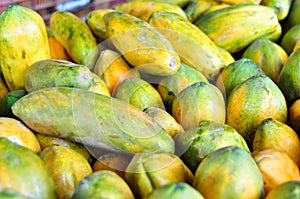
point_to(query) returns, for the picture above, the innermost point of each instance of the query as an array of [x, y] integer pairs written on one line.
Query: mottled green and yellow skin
[[235, 27], [197, 102], [293, 16], [194, 47], [67, 167], [144, 9], [268, 55], [229, 172], [205, 138], [195, 9], [93, 119], [103, 184], [76, 37], [289, 77], [23, 41], [253, 101], [180, 3], [274, 134], [139, 93], [175, 190], [235, 73], [146, 172], [141, 45], [22, 169], [290, 38], [95, 21], [287, 190], [282, 7]]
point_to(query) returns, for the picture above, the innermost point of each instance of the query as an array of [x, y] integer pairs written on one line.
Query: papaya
[[293, 16], [142, 46], [75, 36], [9, 100], [169, 86], [92, 119], [195, 9], [294, 116], [102, 184], [98, 85], [15, 131], [240, 1], [235, 73], [57, 51], [184, 36], [286, 190], [94, 19], [113, 69], [67, 168], [274, 134], [147, 172], [175, 190], [165, 120], [276, 167], [197, 102], [223, 26], [281, 7], [180, 3], [56, 73], [139, 93], [205, 138], [3, 92], [229, 172], [144, 9], [18, 23], [115, 162], [289, 76], [289, 38], [268, 55], [276, 35], [253, 101], [47, 141], [297, 45], [215, 8], [21, 171], [227, 57], [11, 194]]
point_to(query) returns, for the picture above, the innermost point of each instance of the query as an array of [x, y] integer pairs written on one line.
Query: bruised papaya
[[144, 9], [235, 27], [92, 119], [75, 36], [184, 36], [141, 45], [22, 170], [23, 41]]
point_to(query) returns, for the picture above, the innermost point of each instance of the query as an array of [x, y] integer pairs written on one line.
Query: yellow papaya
[[23, 41], [57, 51], [281, 7]]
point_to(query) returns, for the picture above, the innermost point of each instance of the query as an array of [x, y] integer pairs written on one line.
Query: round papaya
[[287, 190]]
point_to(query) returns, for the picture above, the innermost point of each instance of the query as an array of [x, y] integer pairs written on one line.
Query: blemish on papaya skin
[[23, 54]]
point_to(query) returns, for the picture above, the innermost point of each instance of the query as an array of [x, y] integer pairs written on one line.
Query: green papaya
[[293, 16], [9, 100], [287, 190], [281, 7], [290, 38], [92, 119]]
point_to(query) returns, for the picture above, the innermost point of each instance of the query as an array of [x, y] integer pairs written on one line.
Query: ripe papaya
[[144, 9], [75, 36], [184, 36], [141, 45], [281, 7], [92, 119], [21, 171], [294, 116], [223, 26], [195, 9], [23, 41]]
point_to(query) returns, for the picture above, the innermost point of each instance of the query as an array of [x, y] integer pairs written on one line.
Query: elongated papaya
[[23, 41], [236, 26], [92, 119], [144, 9], [282, 7], [184, 36], [76, 37], [141, 45], [194, 9]]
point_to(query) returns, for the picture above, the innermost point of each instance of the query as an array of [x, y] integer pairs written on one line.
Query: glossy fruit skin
[[17, 56], [102, 184], [251, 102], [57, 51], [10, 98], [229, 172], [114, 124], [206, 137], [276, 167], [141, 45], [256, 21], [287, 190], [22, 169], [294, 116], [75, 36], [67, 168]]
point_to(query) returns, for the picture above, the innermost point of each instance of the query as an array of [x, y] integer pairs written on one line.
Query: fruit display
[[151, 99]]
